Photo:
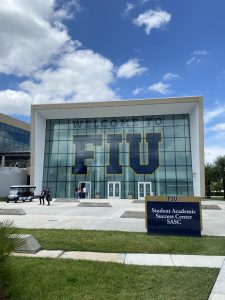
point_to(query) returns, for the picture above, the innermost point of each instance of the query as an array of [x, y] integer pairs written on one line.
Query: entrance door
[[114, 190], [87, 185], [144, 189]]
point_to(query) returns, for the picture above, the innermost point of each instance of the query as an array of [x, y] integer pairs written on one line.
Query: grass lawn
[[125, 242], [66, 279]]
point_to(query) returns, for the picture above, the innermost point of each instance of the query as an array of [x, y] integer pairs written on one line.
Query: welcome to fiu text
[[114, 140]]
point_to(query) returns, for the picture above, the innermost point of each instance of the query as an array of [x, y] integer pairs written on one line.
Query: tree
[[210, 175], [220, 171], [217, 186]]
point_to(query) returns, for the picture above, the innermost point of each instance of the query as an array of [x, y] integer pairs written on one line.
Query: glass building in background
[[14, 142], [120, 149]]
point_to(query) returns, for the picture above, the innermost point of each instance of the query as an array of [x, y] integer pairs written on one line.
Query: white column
[[3, 161]]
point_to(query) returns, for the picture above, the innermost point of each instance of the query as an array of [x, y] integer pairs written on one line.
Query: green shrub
[[3, 199], [9, 242], [217, 193]]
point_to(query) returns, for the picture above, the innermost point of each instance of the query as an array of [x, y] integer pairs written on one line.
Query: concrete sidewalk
[[69, 215], [167, 260]]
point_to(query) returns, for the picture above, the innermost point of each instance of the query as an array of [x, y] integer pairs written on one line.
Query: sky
[[54, 51]]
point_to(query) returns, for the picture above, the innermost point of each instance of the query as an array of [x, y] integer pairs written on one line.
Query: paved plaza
[[105, 214], [70, 215]]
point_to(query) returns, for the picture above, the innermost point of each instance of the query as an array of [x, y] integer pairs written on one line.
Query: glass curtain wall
[[124, 149], [13, 139]]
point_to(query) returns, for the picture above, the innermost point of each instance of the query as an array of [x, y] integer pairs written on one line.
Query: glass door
[[86, 188], [144, 189], [114, 190], [110, 189]]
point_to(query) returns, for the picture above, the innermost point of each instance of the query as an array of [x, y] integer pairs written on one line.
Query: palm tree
[[209, 179], [220, 171], [9, 242]]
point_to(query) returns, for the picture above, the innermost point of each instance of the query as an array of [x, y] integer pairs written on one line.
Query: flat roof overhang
[[14, 122], [119, 108]]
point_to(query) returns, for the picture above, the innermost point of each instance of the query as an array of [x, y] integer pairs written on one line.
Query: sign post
[[171, 215]]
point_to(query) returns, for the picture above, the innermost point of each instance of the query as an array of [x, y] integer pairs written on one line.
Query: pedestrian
[[84, 192], [79, 192], [76, 192], [42, 196], [48, 196]]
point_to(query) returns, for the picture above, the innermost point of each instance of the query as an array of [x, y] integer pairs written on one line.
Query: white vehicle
[[21, 193]]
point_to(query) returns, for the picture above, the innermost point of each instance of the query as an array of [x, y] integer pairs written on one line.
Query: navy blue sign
[[173, 218], [114, 140]]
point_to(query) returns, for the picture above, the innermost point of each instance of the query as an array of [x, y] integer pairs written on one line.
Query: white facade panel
[[191, 106]]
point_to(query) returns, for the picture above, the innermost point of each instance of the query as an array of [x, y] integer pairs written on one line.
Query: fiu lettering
[[81, 154], [153, 140], [114, 167], [114, 141]]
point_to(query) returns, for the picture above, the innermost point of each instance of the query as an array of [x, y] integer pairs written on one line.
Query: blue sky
[[89, 50]]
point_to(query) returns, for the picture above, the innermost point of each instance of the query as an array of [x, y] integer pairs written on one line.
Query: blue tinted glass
[[13, 139]]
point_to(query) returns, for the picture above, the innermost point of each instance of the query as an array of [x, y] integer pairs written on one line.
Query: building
[[14, 142], [119, 149], [14, 153]]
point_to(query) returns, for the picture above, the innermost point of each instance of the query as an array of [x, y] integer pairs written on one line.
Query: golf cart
[[21, 193]]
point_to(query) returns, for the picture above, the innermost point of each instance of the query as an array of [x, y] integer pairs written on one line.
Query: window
[[172, 177]]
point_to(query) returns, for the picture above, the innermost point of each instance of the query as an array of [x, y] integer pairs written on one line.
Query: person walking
[[84, 192], [76, 193], [42, 196], [48, 196], [79, 193]]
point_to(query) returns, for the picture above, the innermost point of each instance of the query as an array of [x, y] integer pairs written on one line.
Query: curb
[[218, 291]]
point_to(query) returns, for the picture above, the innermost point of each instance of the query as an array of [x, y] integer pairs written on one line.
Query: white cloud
[[15, 102], [193, 60], [56, 69], [30, 35], [220, 127], [137, 91], [142, 2], [129, 7], [81, 75], [151, 19], [209, 115], [160, 87], [130, 69], [197, 57], [212, 152], [170, 76], [66, 10], [201, 52], [214, 135]]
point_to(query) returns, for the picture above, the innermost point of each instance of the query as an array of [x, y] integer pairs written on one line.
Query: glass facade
[[13, 139], [14, 146], [127, 150]]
